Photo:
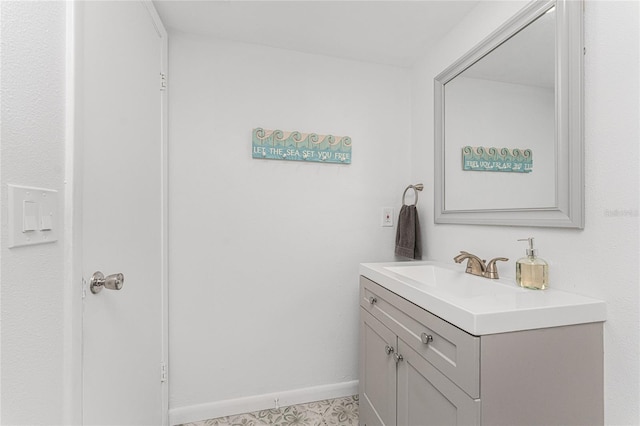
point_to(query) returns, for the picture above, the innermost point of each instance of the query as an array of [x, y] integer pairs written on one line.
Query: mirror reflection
[[504, 100]]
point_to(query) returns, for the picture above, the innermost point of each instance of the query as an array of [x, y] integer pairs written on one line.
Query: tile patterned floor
[[330, 412]]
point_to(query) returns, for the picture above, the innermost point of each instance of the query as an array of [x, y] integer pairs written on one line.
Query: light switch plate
[[31, 212]]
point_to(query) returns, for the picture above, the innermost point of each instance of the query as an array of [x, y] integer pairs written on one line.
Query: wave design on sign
[[497, 159], [298, 146]]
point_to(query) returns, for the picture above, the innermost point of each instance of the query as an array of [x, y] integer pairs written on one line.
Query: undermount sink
[[480, 305]]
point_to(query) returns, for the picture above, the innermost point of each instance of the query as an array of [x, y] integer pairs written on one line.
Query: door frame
[[74, 286]]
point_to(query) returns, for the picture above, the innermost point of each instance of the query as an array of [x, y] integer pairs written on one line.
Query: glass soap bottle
[[531, 271]]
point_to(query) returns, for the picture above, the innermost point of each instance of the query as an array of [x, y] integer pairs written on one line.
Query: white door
[[123, 211]]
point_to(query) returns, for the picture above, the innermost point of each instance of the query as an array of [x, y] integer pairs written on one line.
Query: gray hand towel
[[408, 233]]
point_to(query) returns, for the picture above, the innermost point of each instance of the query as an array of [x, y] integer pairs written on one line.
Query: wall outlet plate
[[387, 217]]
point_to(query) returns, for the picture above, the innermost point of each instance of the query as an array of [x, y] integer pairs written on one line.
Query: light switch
[[29, 216], [46, 220], [32, 215]]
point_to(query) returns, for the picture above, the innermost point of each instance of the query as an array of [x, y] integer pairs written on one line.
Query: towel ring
[[417, 187]]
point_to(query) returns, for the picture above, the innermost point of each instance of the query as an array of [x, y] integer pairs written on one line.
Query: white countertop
[[480, 305]]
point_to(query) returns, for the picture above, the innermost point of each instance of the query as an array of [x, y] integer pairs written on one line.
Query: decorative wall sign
[[296, 146], [497, 160]]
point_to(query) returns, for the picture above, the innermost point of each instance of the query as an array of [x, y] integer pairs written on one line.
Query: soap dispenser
[[531, 271]]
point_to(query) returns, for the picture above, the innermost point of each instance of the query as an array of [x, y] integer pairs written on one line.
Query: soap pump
[[531, 271]]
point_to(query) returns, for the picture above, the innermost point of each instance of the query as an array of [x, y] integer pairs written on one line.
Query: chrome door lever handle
[[111, 282]]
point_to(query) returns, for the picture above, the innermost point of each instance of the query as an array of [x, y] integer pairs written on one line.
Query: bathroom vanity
[[441, 347]]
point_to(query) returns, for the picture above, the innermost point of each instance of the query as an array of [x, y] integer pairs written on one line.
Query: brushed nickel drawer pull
[[388, 349], [373, 300], [426, 338]]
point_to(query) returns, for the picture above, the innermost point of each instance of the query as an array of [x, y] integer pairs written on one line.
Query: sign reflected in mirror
[[520, 89], [481, 159]]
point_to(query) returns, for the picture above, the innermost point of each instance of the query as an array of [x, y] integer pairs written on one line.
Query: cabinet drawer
[[452, 351]]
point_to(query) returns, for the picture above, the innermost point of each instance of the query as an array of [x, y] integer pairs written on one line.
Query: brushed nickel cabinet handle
[[373, 300], [426, 338]]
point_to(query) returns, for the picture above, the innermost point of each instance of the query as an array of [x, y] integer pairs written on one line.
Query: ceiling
[[392, 32]]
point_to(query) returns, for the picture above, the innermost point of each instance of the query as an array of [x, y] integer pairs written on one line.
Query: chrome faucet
[[479, 267]]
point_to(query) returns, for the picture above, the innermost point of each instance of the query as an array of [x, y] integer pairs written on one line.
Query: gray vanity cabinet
[[399, 346], [398, 386], [418, 370]]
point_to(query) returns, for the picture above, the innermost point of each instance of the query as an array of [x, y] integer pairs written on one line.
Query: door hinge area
[[163, 81], [164, 374]]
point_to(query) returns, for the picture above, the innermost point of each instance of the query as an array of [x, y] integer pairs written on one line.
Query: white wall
[[264, 254], [601, 260], [32, 153]]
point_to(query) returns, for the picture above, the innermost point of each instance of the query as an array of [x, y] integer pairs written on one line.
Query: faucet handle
[[492, 268]]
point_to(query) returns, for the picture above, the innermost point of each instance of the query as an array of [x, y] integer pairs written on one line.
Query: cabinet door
[[377, 373], [426, 397]]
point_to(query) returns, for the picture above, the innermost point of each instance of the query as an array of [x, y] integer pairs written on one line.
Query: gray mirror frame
[[568, 211]]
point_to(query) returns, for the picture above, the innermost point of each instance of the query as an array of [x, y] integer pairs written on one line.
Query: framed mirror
[[508, 124]]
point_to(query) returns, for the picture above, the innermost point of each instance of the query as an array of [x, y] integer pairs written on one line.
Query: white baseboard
[[212, 410]]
